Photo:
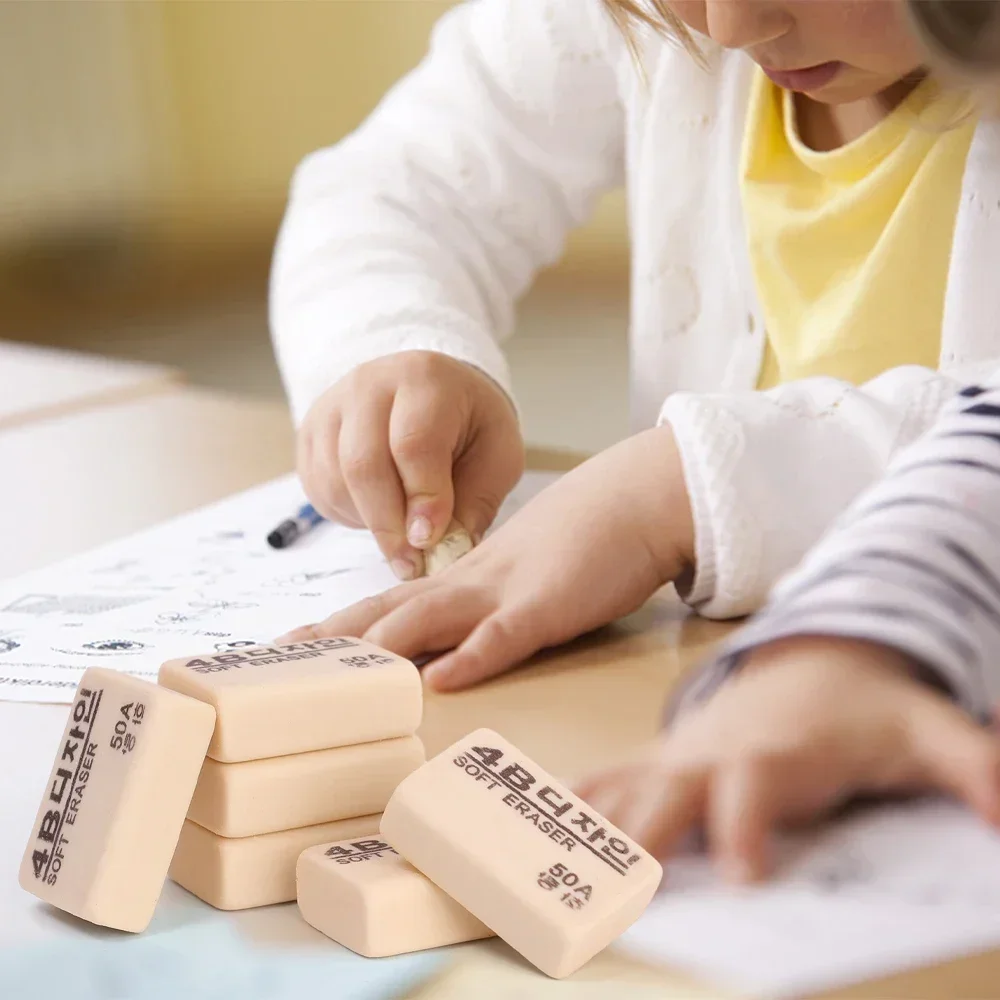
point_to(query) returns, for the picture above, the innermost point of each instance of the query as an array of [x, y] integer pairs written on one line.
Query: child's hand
[[807, 724], [404, 444], [587, 550]]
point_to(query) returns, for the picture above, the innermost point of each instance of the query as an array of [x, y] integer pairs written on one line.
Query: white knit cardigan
[[422, 229]]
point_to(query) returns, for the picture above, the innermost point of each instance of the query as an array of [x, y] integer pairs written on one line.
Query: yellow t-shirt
[[850, 248]]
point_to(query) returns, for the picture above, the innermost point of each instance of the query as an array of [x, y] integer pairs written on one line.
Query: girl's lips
[[804, 80]]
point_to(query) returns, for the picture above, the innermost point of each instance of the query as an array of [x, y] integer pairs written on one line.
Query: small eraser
[[365, 896], [303, 789], [115, 800], [520, 851], [456, 543], [277, 700], [236, 874]]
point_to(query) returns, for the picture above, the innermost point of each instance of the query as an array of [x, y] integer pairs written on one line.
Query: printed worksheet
[[203, 582], [883, 889]]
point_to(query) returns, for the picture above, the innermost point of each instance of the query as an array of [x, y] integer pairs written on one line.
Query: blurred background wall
[[146, 154]]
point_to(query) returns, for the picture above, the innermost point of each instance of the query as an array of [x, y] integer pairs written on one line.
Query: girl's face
[[836, 51]]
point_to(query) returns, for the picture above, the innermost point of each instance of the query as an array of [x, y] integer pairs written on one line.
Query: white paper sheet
[[887, 889], [204, 581]]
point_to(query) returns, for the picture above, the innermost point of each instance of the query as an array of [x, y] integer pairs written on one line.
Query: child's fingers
[[607, 791], [318, 465], [483, 476], [358, 618], [741, 812], [664, 807], [374, 484], [423, 432], [957, 756], [429, 622], [502, 640]]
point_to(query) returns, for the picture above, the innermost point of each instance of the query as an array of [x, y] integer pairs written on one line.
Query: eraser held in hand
[[456, 543]]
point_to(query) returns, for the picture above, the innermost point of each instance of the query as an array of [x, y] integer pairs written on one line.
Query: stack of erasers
[[482, 839], [310, 741], [304, 742]]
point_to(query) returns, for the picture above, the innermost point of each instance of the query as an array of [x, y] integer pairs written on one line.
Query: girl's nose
[[743, 24]]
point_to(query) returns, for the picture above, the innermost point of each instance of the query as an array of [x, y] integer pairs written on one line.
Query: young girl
[[809, 215], [872, 669]]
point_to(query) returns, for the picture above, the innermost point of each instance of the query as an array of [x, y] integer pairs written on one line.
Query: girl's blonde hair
[[655, 14]]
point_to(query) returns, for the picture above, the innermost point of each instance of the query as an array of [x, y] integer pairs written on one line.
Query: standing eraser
[[302, 789], [363, 895], [456, 543], [520, 851], [239, 873], [277, 700], [115, 801]]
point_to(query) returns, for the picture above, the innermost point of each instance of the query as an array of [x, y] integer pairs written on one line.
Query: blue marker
[[294, 528]]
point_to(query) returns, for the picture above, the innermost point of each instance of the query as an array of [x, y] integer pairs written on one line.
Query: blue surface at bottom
[[207, 960]]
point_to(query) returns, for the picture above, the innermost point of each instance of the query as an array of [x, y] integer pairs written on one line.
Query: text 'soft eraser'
[[115, 801], [276, 700], [240, 873], [303, 789], [365, 896], [520, 851]]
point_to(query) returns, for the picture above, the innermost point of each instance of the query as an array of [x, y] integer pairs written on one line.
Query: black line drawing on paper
[[309, 576], [71, 604], [119, 567], [105, 647], [199, 610], [8, 644]]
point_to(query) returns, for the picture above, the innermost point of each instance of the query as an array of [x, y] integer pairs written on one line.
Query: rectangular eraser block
[[277, 700], [115, 800], [236, 874], [363, 895], [303, 789], [520, 851]]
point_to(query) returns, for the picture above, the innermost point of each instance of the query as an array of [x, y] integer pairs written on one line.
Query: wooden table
[[39, 383], [75, 482]]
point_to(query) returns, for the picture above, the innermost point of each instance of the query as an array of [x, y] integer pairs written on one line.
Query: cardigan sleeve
[[421, 230], [914, 564], [767, 473]]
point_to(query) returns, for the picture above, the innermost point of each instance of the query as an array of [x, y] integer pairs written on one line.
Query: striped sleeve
[[913, 564]]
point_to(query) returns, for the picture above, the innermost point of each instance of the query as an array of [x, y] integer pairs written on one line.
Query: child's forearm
[[914, 565]]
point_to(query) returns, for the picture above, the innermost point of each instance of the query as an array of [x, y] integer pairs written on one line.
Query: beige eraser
[[236, 874], [456, 543], [115, 801], [303, 789], [366, 897], [276, 700], [520, 851]]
